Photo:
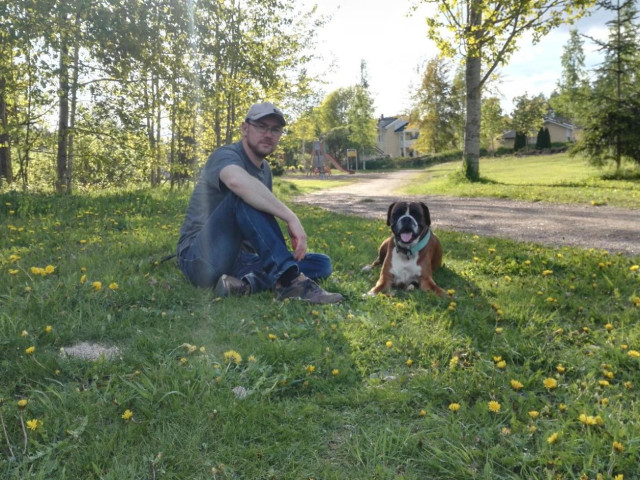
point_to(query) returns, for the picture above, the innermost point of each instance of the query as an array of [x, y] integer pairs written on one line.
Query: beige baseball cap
[[261, 110]]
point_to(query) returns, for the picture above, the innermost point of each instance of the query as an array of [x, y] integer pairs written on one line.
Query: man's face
[[262, 135]]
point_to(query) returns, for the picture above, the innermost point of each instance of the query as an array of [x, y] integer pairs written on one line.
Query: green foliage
[[252, 388]]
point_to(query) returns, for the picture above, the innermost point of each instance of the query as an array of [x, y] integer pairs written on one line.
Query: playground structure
[[321, 161]]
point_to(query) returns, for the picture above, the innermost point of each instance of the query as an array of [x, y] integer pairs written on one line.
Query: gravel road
[[610, 228]]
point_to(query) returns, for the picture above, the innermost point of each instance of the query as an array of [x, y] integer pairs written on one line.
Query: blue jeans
[[243, 242]]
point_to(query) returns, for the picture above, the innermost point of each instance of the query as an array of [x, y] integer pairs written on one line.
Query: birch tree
[[485, 33]]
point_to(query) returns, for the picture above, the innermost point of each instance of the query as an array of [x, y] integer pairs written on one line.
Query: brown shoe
[[229, 286], [304, 288]]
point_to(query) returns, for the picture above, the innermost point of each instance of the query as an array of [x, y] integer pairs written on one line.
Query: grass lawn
[[551, 178], [528, 368]]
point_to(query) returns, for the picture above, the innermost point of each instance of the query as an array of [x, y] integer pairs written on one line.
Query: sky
[[395, 47]]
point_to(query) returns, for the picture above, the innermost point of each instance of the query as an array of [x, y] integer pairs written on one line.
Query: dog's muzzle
[[406, 229]]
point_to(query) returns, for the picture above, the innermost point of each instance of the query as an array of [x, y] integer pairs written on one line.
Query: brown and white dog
[[411, 254]]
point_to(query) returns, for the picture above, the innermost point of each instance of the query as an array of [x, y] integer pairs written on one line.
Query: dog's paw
[[366, 268], [369, 294]]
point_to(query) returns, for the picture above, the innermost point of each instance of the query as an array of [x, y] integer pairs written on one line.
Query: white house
[[395, 138]]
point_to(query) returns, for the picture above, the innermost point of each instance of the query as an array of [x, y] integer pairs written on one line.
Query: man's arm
[[254, 193]]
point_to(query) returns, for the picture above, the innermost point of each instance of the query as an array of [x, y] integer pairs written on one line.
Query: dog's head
[[408, 221]]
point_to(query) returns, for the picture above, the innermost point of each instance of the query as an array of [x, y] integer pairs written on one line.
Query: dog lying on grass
[[411, 254]]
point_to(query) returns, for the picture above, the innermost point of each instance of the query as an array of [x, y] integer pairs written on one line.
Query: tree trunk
[[6, 169], [471, 160], [63, 114], [74, 102]]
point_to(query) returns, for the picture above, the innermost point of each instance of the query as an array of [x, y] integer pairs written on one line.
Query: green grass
[[331, 393], [552, 178]]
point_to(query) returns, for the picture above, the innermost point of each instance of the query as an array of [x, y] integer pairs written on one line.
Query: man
[[230, 239]]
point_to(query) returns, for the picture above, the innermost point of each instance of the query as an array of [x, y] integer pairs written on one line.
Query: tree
[[569, 97], [611, 130], [436, 111], [360, 115], [494, 122], [485, 32], [528, 115]]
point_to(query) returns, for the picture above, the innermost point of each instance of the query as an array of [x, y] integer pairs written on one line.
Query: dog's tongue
[[406, 237]]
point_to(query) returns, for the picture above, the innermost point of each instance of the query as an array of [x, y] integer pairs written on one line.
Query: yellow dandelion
[[310, 369], [272, 337], [532, 429], [231, 356], [13, 271], [636, 301], [335, 372], [553, 438], [422, 413], [97, 285], [494, 406], [202, 350], [634, 268], [546, 273], [562, 407], [451, 292], [30, 350], [603, 383], [33, 424], [389, 344], [454, 407], [492, 250], [534, 414], [49, 269], [497, 359], [24, 333], [183, 360], [550, 383], [113, 286], [560, 368], [618, 446], [22, 403], [501, 364], [516, 385], [48, 329], [14, 258], [620, 476], [409, 362], [499, 330], [251, 358], [452, 306], [127, 414], [453, 363], [476, 259], [633, 353], [83, 279], [608, 327], [628, 385]]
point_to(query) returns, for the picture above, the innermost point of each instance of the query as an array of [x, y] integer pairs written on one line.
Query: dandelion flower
[[310, 369], [97, 285], [409, 362], [494, 406], [113, 286], [24, 333], [603, 383], [546, 273], [232, 356], [453, 363], [618, 446], [633, 353], [22, 403], [272, 337], [30, 350], [553, 438], [550, 383], [389, 344], [451, 292], [127, 415], [534, 414], [560, 368], [454, 407], [83, 279], [499, 330], [422, 413], [501, 364], [335, 372], [49, 269], [33, 424], [13, 271], [634, 268], [516, 385], [48, 329]]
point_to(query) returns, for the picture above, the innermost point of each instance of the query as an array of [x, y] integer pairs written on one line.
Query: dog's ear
[[389, 213], [425, 211]]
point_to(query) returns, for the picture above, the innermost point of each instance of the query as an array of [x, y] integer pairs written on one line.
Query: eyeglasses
[[262, 129]]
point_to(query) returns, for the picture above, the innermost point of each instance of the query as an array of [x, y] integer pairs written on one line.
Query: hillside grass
[[528, 368]]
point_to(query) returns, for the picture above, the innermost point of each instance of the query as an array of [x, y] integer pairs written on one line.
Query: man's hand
[[298, 239]]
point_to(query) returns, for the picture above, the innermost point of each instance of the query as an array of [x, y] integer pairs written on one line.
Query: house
[[561, 130], [395, 137]]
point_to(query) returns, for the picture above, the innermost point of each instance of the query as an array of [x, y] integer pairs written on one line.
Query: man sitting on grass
[[230, 239]]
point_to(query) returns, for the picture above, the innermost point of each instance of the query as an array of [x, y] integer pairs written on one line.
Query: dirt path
[[609, 228]]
